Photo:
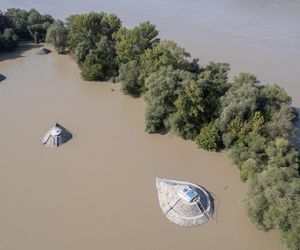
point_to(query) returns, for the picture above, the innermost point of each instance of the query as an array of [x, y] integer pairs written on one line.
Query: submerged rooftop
[[184, 203]]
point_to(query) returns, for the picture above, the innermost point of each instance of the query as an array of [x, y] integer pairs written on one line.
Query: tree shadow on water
[[19, 52]]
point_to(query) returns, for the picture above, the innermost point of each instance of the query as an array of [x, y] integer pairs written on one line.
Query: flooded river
[[257, 36], [98, 190]]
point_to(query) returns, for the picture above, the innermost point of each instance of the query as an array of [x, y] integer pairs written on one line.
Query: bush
[[248, 169], [81, 51], [190, 114], [57, 35], [128, 76], [163, 88], [209, 138], [8, 40], [91, 71]]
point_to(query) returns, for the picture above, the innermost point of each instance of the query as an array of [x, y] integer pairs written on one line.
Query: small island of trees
[[255, 123]]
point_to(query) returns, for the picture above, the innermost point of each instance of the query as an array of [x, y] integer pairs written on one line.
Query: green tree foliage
[[29, 25], [190, 113], [19, 21], [91, 38], [217, 75], [8, 40], [101, 58], [38, 24], [251, 146], [90, 28], [57, 35], [164, 54], [272, 202], [271, 98], [128, 76], [81, 51], [91, 69], [249, 168], [238, 128], [132, 43], [209, 138], [281, 123], [282, 154], [239, 101], [163, 88], [213, 79], [5, 22]]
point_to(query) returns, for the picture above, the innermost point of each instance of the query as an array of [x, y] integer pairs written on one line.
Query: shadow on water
[[23, 47], [297, 137]]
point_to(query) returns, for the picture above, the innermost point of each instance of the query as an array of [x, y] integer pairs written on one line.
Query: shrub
[[128, 76], [209, 138]]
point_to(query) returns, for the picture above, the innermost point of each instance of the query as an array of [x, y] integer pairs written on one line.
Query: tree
[[8, 40], [238, 128], [281, 123], [164, 54], [209, 138], [38, 24], [249, 168], [5, 22], [90, 27], [190, 113], [130, 44], [91, 70], [239, 101], [81, 51], [19, 18], [272, 202], [100, 60], [250, 146], [128, 75], [57, 35], [282, 154], [271, 99], [217, 75], [162, 91]]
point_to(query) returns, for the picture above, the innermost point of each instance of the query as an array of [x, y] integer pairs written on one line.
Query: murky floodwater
[[98, 190], [257, 36]]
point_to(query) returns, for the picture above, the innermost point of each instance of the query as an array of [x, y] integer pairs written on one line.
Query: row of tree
[[17, 24], [254, 122]]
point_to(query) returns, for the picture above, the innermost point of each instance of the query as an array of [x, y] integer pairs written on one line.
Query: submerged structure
[[184, 203], [2, 77], [44, 51], [56, 136]]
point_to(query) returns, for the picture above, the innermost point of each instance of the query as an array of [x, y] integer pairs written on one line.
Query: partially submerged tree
[[128, 76], [164, 54], [57, 35], [131, 44], [163, 88], [209, 138]]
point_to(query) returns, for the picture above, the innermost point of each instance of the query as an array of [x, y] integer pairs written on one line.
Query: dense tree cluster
[[8, 37], [254, 122], [91, 39], [57, 35], [17, 24]]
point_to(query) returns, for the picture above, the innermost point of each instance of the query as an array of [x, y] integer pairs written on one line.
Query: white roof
[[55, 131]]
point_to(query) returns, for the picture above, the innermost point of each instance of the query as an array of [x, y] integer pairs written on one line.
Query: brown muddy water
[[98, 190]]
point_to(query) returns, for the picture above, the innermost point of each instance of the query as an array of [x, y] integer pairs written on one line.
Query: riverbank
[[64, 199]]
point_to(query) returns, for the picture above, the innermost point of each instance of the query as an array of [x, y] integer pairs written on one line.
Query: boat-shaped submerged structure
[[184, 203], [56, 136], [2, 77], [44, 51]]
